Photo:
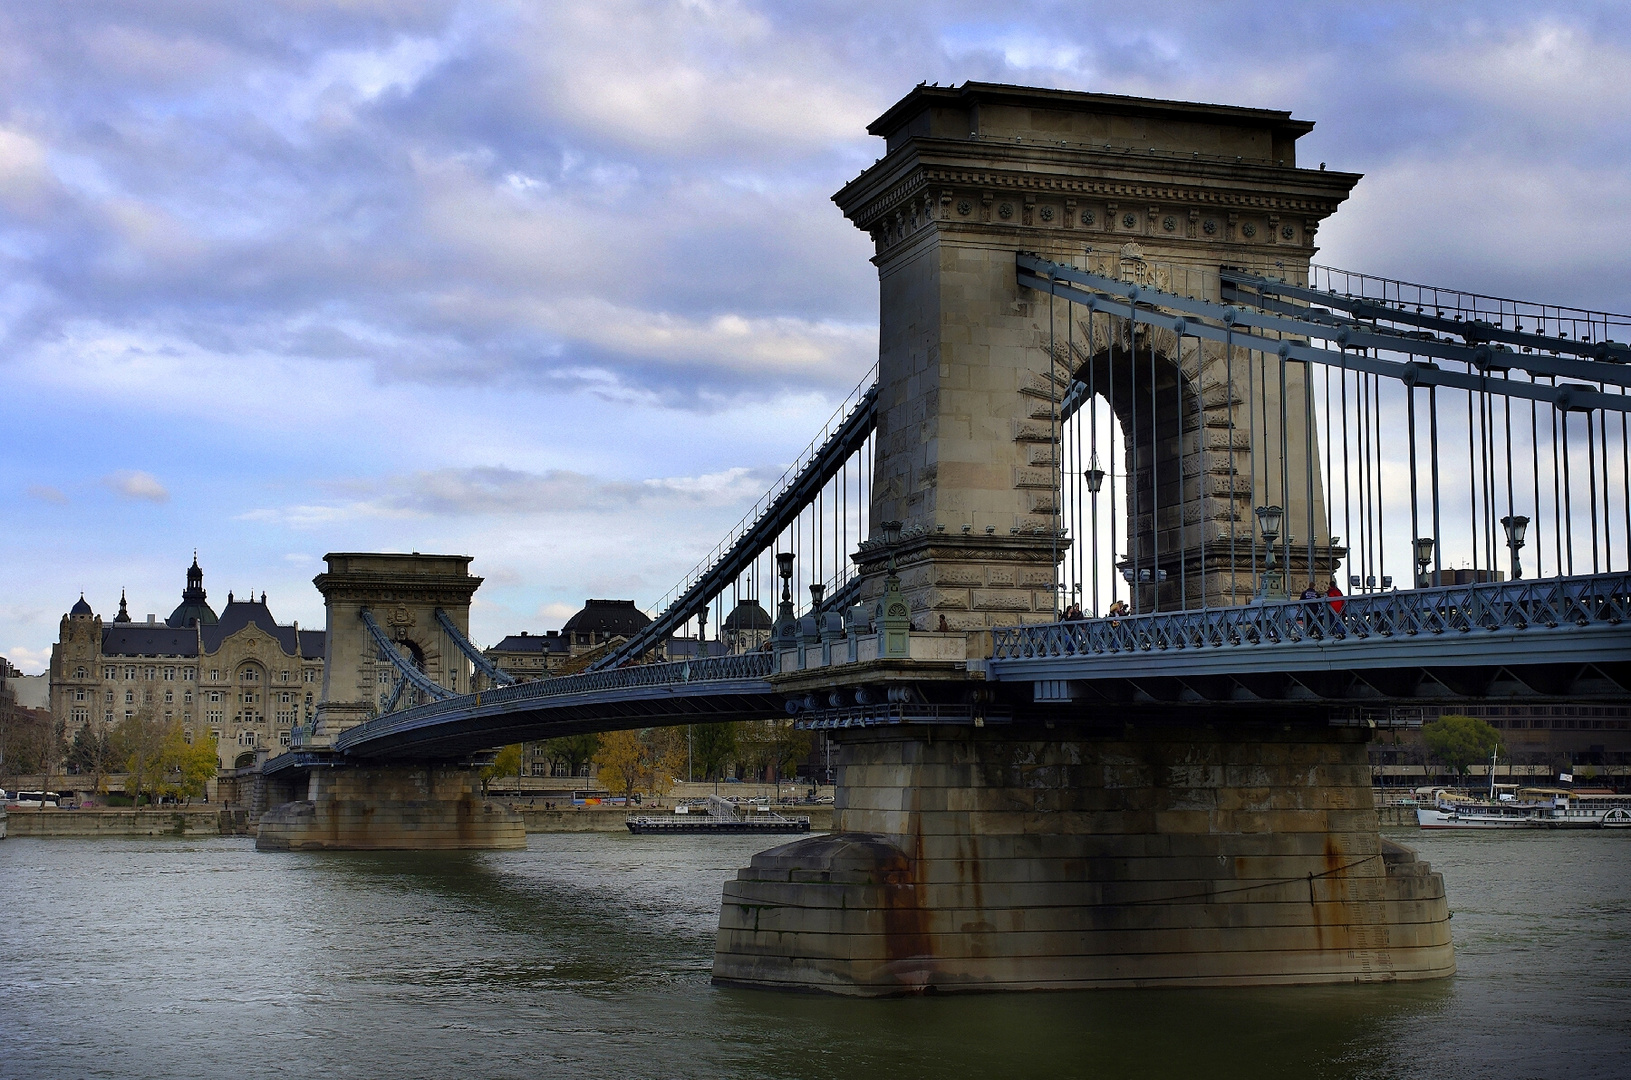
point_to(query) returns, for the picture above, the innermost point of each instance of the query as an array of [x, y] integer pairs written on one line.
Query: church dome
[[747, 615]]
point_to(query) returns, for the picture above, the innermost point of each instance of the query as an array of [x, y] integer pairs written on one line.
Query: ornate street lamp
[[1515, 526], [785, 631], [1424, 556], [1094, 475], [1268, 521]]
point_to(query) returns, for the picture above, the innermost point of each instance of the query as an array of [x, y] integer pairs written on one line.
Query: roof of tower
[[124, 612], [193, 607], [81, 607]]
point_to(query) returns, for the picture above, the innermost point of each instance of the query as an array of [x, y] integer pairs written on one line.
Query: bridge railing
[[1333, 621], [710, 669]]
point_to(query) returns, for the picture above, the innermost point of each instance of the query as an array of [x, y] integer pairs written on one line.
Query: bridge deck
[[1568, 636]]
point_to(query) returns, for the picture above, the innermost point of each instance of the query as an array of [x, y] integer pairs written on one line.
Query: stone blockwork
[[1150, 855], [402, 593], [972, 366], [391, 807]]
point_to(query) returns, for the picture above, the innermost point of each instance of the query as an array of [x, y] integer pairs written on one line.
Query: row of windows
[[132, 672], [1544, 710]]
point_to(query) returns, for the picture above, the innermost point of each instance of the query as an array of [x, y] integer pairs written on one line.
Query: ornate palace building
[[240, 678]]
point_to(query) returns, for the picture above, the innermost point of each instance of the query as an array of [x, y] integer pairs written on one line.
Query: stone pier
[[385, 807], [1138, 855]]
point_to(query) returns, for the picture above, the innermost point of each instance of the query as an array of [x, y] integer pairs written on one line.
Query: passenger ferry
[[1529, 808]]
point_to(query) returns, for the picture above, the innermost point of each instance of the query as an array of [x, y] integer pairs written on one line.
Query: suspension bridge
[[1102, 578]]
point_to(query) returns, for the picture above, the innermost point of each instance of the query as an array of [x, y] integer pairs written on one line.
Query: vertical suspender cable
[[1310, 458], [1134, 471], [1234, 496], [1362, 422], [1534, 454], [1053, 428], [1568, 507], [1347, 469], [1591, 486], [1415, 512], [1625, 478], [1201, 471], [1093, 444], [1506, 413], [1472, 487], [1557, 492], [1256, 435], [1381, 502], [1155, 482], [1608, 528], [1329, 491], [1285, 481], [1432, 457], [1183, 529], [1110, 351]]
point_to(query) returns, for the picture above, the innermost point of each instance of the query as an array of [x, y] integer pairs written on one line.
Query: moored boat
[[1530, 808]]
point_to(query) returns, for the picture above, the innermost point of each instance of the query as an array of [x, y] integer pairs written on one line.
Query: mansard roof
[[531, 643], [148, 639], [240, 614]]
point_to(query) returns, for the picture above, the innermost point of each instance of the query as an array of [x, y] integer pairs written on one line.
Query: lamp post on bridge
[[1424, 556], [1515, 526], [785, 632], [1268, 520], [1094, 475]]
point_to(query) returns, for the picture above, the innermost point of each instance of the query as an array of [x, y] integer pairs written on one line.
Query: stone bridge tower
[[402, 592], [1079, 843], [966, 432], [322, 800]]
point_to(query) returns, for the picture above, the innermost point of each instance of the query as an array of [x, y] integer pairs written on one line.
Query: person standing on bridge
[[1334, 601]]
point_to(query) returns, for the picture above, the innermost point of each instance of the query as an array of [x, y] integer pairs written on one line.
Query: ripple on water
[[589, 956]]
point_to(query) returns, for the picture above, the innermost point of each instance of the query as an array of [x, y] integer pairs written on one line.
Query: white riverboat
[[1530, 808]]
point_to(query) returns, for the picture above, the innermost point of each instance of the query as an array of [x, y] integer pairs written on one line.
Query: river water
[[587, 956]]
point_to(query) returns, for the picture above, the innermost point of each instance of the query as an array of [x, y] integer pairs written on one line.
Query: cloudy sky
[[560, 285]]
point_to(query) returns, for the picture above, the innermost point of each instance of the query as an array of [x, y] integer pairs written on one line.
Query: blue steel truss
[[482, 664], [416, 678], [1577, 619], [1234, 325]]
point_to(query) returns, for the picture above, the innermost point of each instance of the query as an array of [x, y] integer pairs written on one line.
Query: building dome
[[605, 619], [124, 612], [747, 615], [193, 609], [81, 607]]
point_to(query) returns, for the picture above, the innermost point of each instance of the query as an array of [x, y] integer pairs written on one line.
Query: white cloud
[[30, 661], [1555, 75], [134, 484], [505, 492]]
